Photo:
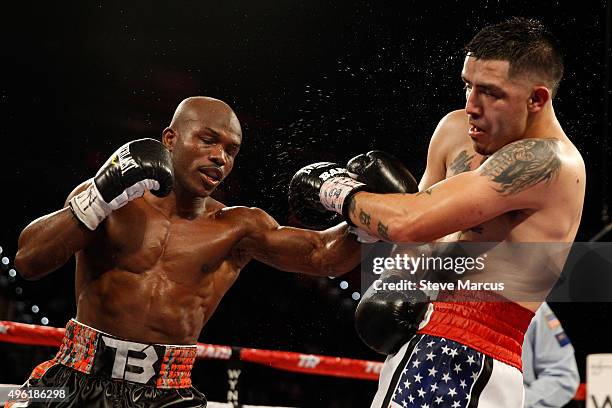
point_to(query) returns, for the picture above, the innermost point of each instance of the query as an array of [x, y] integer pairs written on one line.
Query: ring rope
[[30, 334]]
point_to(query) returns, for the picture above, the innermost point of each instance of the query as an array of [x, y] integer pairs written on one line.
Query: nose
[[472, 104], [217, 155]]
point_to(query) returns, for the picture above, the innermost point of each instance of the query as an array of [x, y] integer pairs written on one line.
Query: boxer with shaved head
[[154, 256]]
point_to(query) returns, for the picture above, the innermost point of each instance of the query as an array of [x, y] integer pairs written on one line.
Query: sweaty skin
[[501, 170], [155, 270]]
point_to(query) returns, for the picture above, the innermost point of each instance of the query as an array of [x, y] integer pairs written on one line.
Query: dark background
[[310, 81]]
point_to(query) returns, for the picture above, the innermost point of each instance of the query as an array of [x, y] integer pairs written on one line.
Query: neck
[[544, 124], [182, 204]]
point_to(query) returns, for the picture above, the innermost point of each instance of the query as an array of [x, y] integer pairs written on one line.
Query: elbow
[[325, 263], [337, 270], [25, 266], [407, 229]]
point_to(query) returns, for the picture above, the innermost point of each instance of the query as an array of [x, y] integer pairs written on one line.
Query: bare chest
[[139, 239]]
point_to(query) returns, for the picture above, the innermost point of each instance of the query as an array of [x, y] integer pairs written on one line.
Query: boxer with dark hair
[[500, 170], [154, 256]]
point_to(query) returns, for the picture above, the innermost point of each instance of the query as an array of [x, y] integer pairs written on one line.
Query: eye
[[491, 94]]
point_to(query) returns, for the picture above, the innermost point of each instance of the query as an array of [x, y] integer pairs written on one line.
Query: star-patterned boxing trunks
[[98, 369], [467, 354]]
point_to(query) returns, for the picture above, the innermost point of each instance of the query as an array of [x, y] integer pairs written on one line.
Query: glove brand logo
[[308, 361], [123, 360], [332, 172], [126, 161]]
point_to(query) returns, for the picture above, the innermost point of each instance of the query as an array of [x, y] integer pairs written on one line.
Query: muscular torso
[[526, 265], [153, 277]]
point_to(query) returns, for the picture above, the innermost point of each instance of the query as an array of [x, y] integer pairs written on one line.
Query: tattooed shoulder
[[523, 164]]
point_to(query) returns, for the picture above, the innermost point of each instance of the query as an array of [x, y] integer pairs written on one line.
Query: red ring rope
[[20, 333]]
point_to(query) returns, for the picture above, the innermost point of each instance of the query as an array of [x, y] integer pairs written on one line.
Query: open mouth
[[475, 131], [211, 175]]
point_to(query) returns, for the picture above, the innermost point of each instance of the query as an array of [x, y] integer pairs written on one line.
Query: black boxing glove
[[136, 167], [319, 188], [386, 319], [382, 172]]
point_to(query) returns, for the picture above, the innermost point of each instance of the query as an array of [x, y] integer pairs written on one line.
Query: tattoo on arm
[[523, 164], [461, 163], [364, 218], [382, 231]]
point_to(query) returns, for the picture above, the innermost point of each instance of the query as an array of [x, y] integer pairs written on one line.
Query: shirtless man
[[154, 256], [500, 170]]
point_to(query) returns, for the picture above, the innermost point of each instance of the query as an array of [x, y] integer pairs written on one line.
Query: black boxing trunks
[[467, 353], [101, 370]]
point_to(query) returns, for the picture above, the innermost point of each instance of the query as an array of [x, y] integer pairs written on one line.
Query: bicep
[[456, 204], [518, 176], [435, 170], [286, 248]]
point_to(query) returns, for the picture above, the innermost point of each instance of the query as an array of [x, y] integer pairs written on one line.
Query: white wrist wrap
[[89, 207], [335, 190]]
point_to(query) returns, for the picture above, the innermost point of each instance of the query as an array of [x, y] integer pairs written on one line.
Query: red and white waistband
[[484, 321]]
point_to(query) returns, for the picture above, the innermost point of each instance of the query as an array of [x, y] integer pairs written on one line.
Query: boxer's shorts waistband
[[484, 321], [93, 352]]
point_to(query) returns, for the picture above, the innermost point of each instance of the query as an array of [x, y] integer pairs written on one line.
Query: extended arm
[[321, 253], [510, 179]]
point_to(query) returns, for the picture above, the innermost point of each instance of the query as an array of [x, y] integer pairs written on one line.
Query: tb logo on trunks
[[126, 360]]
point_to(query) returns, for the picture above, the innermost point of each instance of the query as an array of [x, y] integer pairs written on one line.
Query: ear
[[169, 138], [538, 98]]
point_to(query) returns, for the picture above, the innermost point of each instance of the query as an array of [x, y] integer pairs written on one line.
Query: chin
[[205, 193], [486, 151], [481, 149], [198, 190]]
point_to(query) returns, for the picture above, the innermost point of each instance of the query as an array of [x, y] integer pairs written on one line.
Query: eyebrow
[[486, 86], [218, 135]]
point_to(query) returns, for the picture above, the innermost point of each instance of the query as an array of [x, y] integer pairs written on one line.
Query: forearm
[[319, 253], [339, 252], [455, 204], [48, 242], [391, 217]]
